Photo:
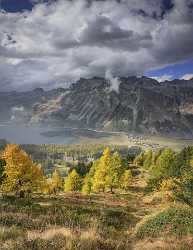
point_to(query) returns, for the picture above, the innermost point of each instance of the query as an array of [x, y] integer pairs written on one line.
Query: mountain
[[141, 105]]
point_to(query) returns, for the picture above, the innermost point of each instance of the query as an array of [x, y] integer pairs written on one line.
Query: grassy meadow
[[152, 210]]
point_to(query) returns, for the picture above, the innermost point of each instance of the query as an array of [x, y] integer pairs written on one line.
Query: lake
[[21, 134], [32, 135]]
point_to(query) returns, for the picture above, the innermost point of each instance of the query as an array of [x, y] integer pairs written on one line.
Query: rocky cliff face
[[141, 105]]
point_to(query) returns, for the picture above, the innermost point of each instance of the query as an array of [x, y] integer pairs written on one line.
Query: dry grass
[[49, 233], [66, 223], [185, 243], [77, 222], [59, 238]]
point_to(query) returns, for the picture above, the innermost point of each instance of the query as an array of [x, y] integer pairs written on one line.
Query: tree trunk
[[21, 194]]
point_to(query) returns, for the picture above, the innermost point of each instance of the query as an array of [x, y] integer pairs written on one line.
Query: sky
[[52, 43]]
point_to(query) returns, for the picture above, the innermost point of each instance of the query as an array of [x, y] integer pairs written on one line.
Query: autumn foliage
[[21, 174]]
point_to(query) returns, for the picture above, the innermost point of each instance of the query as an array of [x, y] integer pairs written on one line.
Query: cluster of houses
[[143, 142]]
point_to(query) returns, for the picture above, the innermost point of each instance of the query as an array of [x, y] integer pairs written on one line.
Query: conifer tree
[[107, 171], [148, 159], [99, 178], [93, 169], [164, 169], [73, 182], [156, 156], [106, 156], [21, 174], [86, 188], [56, 181], [165, 165], [139, 159], [126, 179], [114, 170]]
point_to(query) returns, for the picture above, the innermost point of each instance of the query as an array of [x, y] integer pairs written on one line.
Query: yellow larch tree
[[86, 188], [21, 174], [114, 170], [56, 181], [126, 179], [99, 178], [73, 182]]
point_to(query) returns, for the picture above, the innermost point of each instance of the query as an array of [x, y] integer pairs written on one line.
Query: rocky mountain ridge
[[142, 105]]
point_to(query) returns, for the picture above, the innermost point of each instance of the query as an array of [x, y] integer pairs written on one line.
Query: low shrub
[[176, 221]]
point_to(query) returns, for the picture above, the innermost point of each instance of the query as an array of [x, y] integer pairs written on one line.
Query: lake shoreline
[[65, 135]]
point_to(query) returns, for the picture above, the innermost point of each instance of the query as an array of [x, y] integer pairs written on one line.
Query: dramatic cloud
[[60, 41], [187, 77]]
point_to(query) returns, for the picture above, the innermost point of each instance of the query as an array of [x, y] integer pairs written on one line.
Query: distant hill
[[141, 105]]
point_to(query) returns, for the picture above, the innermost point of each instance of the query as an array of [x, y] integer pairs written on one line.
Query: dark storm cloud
[[176, 35], [102, 32], [58, 42]]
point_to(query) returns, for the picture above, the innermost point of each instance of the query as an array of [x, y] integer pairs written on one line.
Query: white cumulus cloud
[[187, 77], [57, 43]]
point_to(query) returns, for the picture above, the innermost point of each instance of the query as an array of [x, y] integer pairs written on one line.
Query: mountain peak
[[141, 105]]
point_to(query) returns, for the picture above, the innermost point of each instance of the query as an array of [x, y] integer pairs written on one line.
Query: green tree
[[164, 169], [165, 165], [183, 190], [186, 155], [133, 152], [126, 180], [183, 161], [93, 168], [156, 156], [139, 159], [73, 182], [82, 169], [148, 159]]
